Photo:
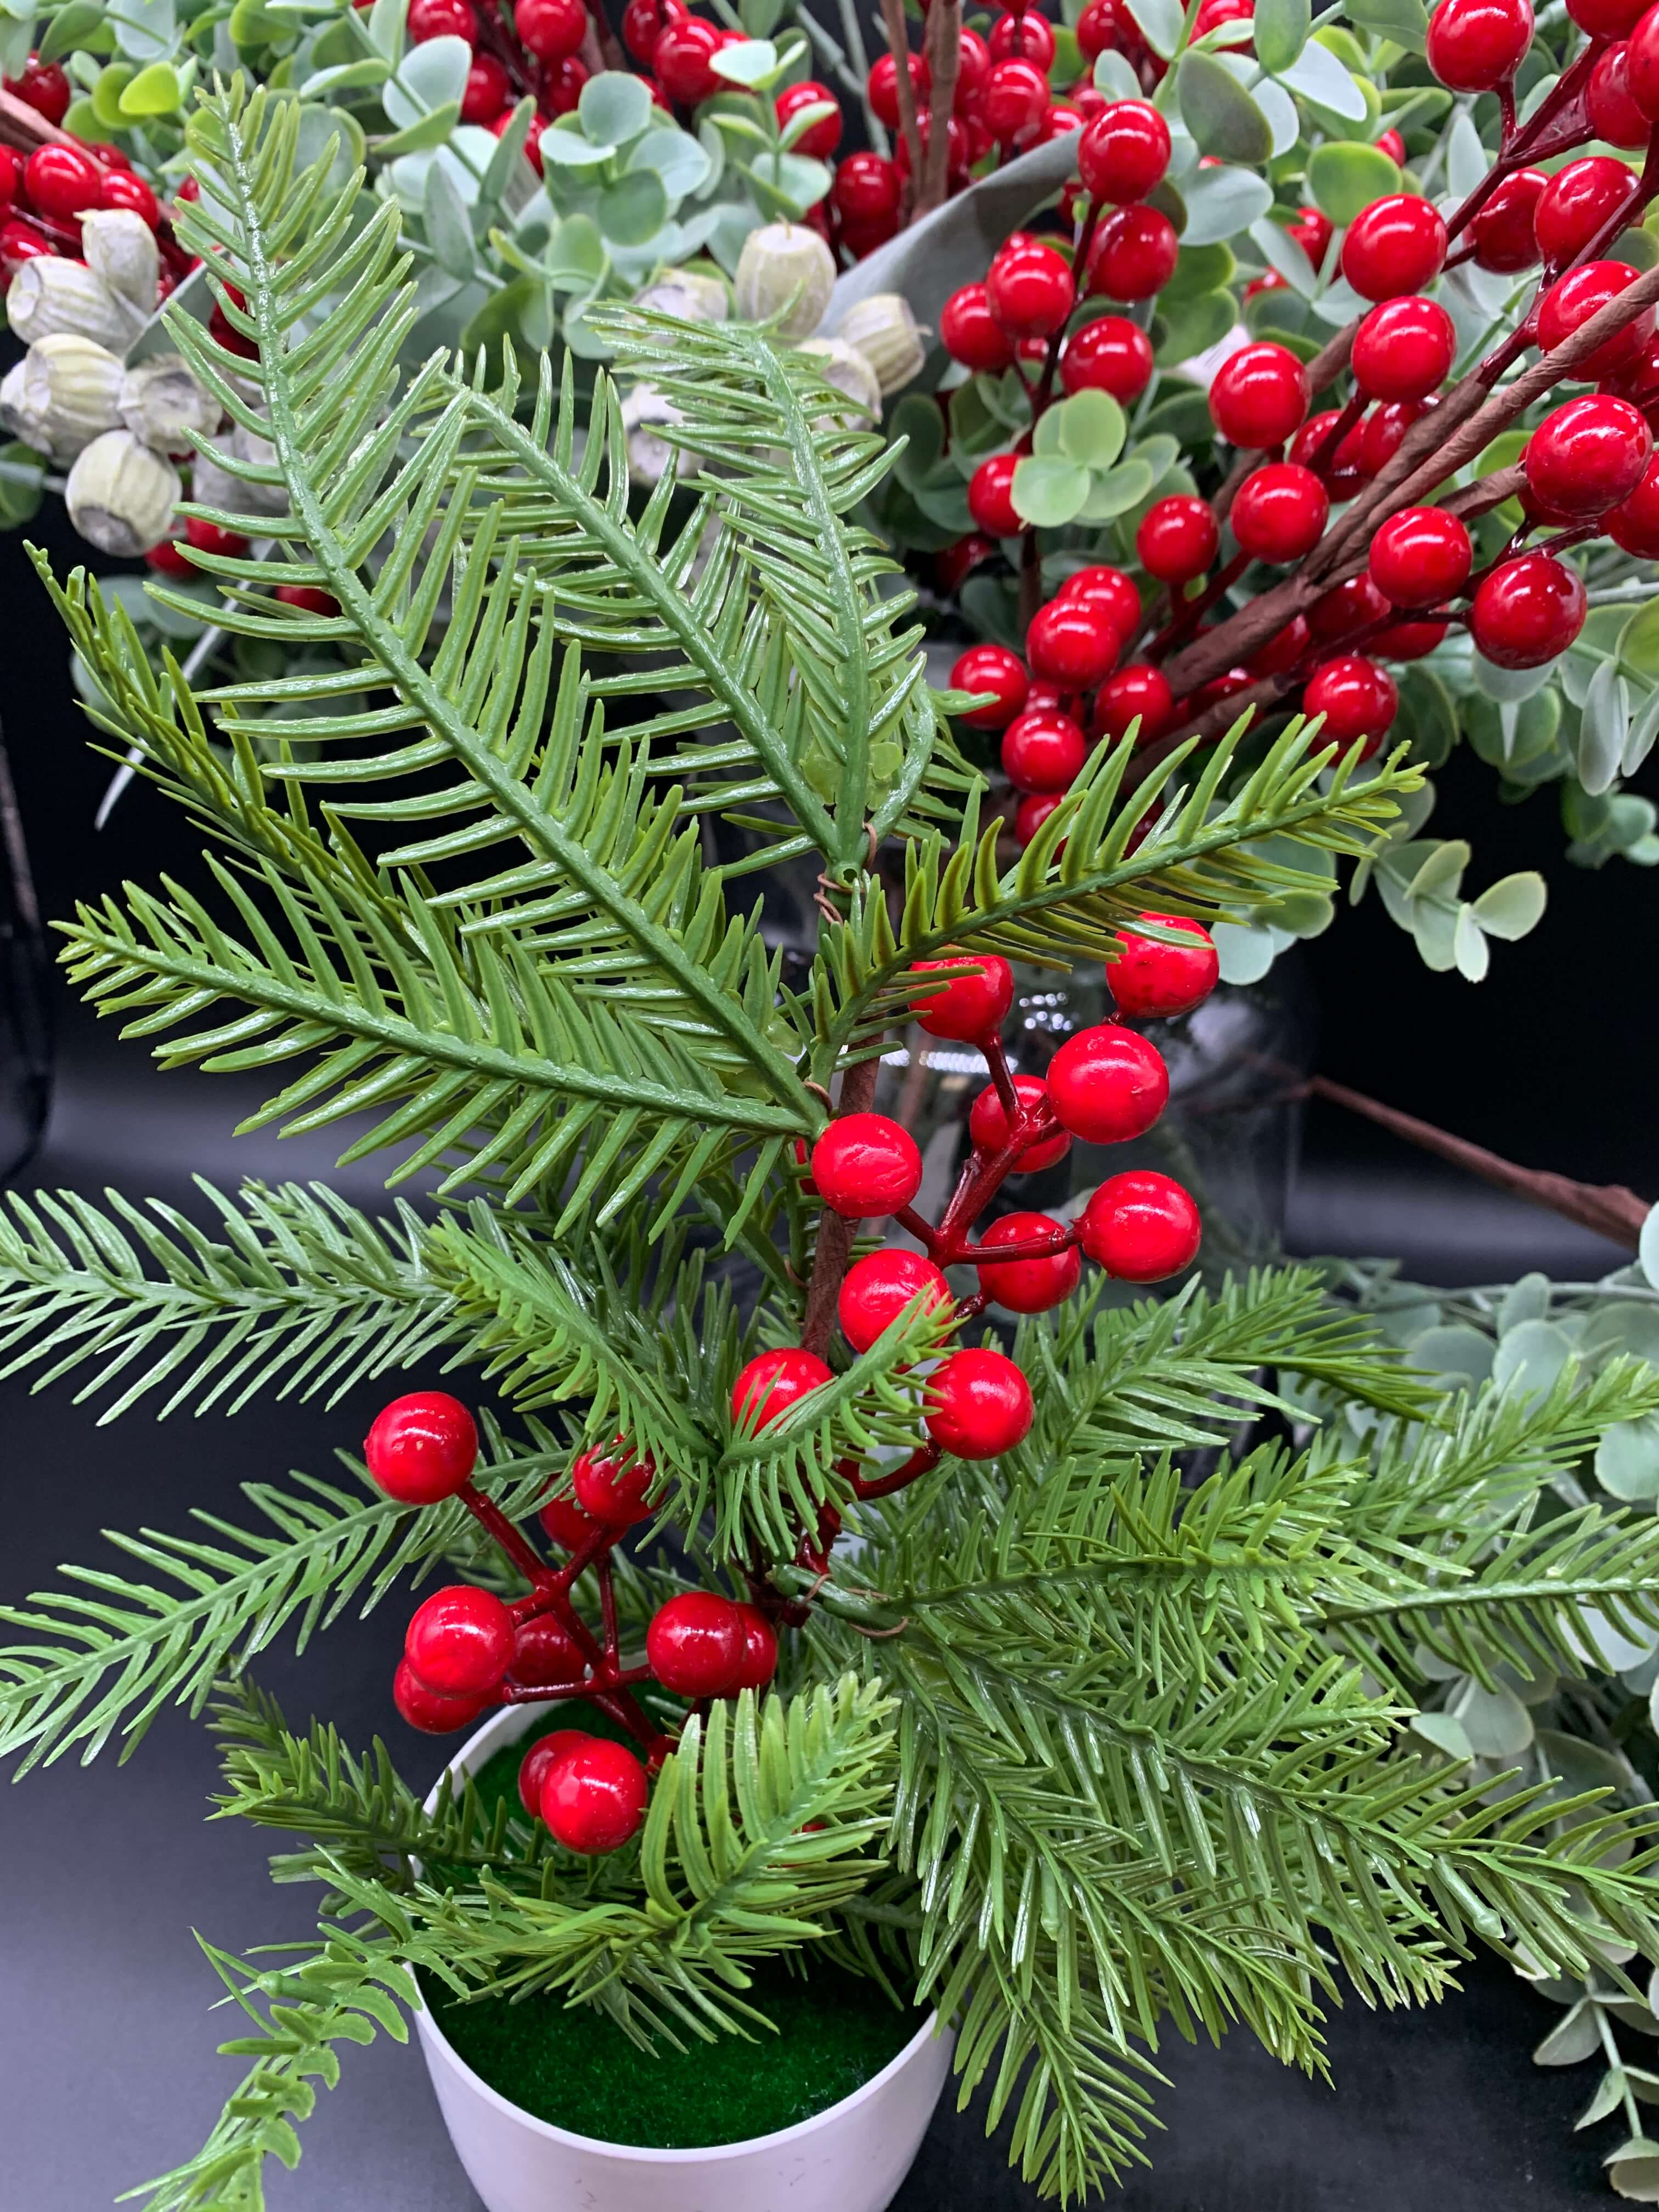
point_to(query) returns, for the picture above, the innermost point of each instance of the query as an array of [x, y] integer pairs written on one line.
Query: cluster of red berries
[[44, 195], [537, 56]]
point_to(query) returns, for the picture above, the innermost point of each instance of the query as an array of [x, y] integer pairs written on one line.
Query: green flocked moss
[[574, 2067]]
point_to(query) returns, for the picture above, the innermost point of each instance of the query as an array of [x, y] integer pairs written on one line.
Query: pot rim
[[511, 1721]]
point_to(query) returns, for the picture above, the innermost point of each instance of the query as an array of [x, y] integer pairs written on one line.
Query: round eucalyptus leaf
[[1219, 113], [1628, 1460], [1454, 1350], [1445, 1734], [428, 77], [154, 91], [1091, 428], [1622, 1325], [1497, 1723], [1221, 203], [1346, 177], [1245, 955], [633, 208], [1114, 491], [1570, 2040], [1530, 1358], [1280, 29], [1526, 1300], [1048, 491], [1610, 1650], [613, 106], [1632, 2170]]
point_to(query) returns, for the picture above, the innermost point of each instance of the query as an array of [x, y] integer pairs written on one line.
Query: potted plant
[[1060, 1750]]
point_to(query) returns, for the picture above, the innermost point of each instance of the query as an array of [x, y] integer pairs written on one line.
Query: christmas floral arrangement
[[939, 1630]]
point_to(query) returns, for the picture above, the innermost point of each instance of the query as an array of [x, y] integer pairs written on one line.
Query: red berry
[[759, 1660], [1582, 293], [43, 87], [866, 189], [1577, 202], [565, 1524], [1101, 29], [213, 537], [1342, 473], [1391, 144], [1313, 230], [1152, 981], [972, 1007], [1383, 430], [550, 29], [876, 1290], [1110, 354], [1108, 590], [1032, 812], [971, 334], [1108, 1083], [1015, 96], [441, 19], [1030, 288], [546, 1654], [1403, 349], [1178, 538], [1420, 557], [1212, 14], [1396, 244], [866, 1165], [973, 67], [1607, 19], [991, 668], [1027, 1286], [695, 1644], [1475, 45], [1614, 114], [1357, 699], [1286, 649], [1138, 692], [1406, 641], [64, 181], [1072, 644], [532, 1767], [1527, 612], [771, 1383], [487, 92], [422, 1448], [643, 23], [1502, 233], [120, 188], [224, 333], [1026, 34], [1124, 152], [1588, 455], [991, 497], [610, 1485], [561, 87], [1134, 254], [594, 1797], [988, 1124], [955, 563], [459, 1643], [1140, 1227], [979, 1405], [681, 59], [306, 598], [883, 86], [1346, 608], [1642, 65], [1280, 512], [1259, 396], [426, 1710], [168, 559], [11, 172], [1042, 749], [1633, 524]]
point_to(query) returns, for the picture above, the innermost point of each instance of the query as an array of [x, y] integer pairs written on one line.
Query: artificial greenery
[[1102, 1741]]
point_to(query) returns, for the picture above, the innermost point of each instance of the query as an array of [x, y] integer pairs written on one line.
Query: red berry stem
[[1324, 454], [997, 1061], [1568, 93], [920, 1227], [495, 1523], [883, 1486], [1191, 613], [1029, 1247]]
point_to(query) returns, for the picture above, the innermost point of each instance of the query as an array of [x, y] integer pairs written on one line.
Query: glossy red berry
[[459, 1643], [1140, 1227], [546, 1654], [306, 598], [1285, 649], [43, 87], [1138, 693], [819, 140], [441, 19], [1395, 246], [1476, 44], [422, 1448], [1502, 233], [1357, 699], [426, 1710], [1577, 202], [63, 181], [991, 497], [11, 176], [1527, 612], [550, 29], [971, 334], [1030, 288], [1124, 152], [1344, 609], [1383, 430], [1313, 230], [643, 23], [973, 1005], [882, 88], [1108, 1083], [166, 559], [877, 1289], [1110, 590], [1391, 144], [771, 1383], [681, 61], [1072, 644], [1027, 33], [1103, 27], [594, 1794], [121, 188], [695, 1644], [1420, 557], [1607, 19], [565, 1524], [1015, 96], [979, 1405], [1178, 538], [1042, 749], [1614, 114], [988, 1124], [1406, 641], [611, 1484], [1110, 354], [1633, 524], [1212, 14], [1134, 254], [1588, 455], [1573, 298], [1280, 512], [991, 668], [1403, 349], [866, 1165], [759, 1661], [1027, 1286], [1153, 981], [204, 536], [1032, 812], [532, 1767], [1340, 473], [487, 90], [1642, 65], [1259, 397]]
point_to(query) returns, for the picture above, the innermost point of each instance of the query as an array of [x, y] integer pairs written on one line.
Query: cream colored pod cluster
[[73, 398]]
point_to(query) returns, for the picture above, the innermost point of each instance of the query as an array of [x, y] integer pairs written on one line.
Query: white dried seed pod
[[785, 270], [648, 455], [685, 292], [161, 403], [846, 367], [70, 389], [212, 486], [121, 495], [50, 295], [120, 246], [14, 415], [889, 336]]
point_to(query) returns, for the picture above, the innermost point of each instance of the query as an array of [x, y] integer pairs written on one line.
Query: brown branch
[[943, 48], [25, 128], [1608, 1208], [898, 44]]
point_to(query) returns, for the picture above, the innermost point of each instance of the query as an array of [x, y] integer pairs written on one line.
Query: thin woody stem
[[496, 1525], [898, 44], [942, 47]]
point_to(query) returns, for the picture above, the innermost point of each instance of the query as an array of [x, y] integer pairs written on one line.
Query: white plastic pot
[[849, 2158]]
